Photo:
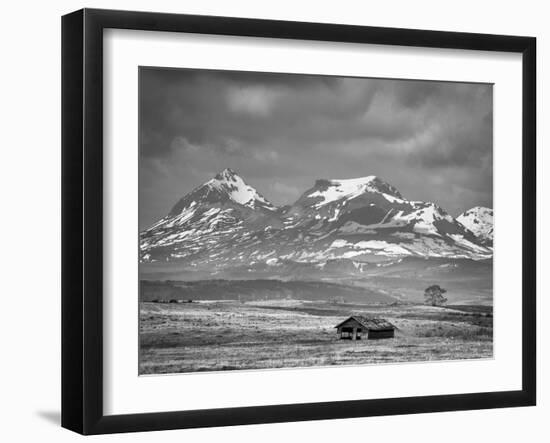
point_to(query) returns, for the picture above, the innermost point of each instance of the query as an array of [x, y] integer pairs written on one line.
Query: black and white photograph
[[293, 221]]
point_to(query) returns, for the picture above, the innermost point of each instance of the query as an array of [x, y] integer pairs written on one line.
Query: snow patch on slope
[[339, 189], [348, 189], [378, 246], [238, 190], [478, 220]]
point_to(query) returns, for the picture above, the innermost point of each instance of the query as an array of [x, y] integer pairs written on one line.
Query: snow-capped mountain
[[225, 187], [226, 222], [216, 212], [479, 220], [327, 191]]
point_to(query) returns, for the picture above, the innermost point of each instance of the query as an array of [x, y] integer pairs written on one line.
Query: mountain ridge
[[226, 222]]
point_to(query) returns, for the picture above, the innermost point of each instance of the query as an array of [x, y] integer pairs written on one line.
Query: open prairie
[[211, 335]]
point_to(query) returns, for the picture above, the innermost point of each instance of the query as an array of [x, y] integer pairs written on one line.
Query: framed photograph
[[269, 221]]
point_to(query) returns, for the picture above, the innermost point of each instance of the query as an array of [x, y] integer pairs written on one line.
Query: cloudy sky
[[281, 132]]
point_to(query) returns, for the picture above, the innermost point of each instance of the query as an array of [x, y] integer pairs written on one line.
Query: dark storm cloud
[[211, 107], [432, 140]]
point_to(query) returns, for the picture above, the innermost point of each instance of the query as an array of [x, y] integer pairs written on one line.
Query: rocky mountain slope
[[479, 220]]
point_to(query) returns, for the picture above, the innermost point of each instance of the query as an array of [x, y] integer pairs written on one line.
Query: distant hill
[[247, 290]]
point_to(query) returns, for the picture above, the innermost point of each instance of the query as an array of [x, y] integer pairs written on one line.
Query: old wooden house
[[358, 326]]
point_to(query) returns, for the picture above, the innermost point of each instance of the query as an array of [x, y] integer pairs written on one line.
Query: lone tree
[[433, 295]]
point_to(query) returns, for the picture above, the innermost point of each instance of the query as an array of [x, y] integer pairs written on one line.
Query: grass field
[[229, 334]]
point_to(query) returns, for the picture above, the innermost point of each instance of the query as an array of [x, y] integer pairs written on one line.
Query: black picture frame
[[82, 220]]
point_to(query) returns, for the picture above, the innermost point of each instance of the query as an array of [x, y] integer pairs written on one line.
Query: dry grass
[[225, 335]]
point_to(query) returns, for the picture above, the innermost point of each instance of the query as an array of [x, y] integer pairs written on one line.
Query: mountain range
[[226, 223]]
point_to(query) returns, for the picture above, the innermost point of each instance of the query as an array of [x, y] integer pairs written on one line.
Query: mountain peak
[[478, 220], [345, 182], [226, 174], [330, 190], [226, 186], [478, 210], [230, 183]]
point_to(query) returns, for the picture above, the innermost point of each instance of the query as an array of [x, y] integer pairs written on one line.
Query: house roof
[[372, 323]]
